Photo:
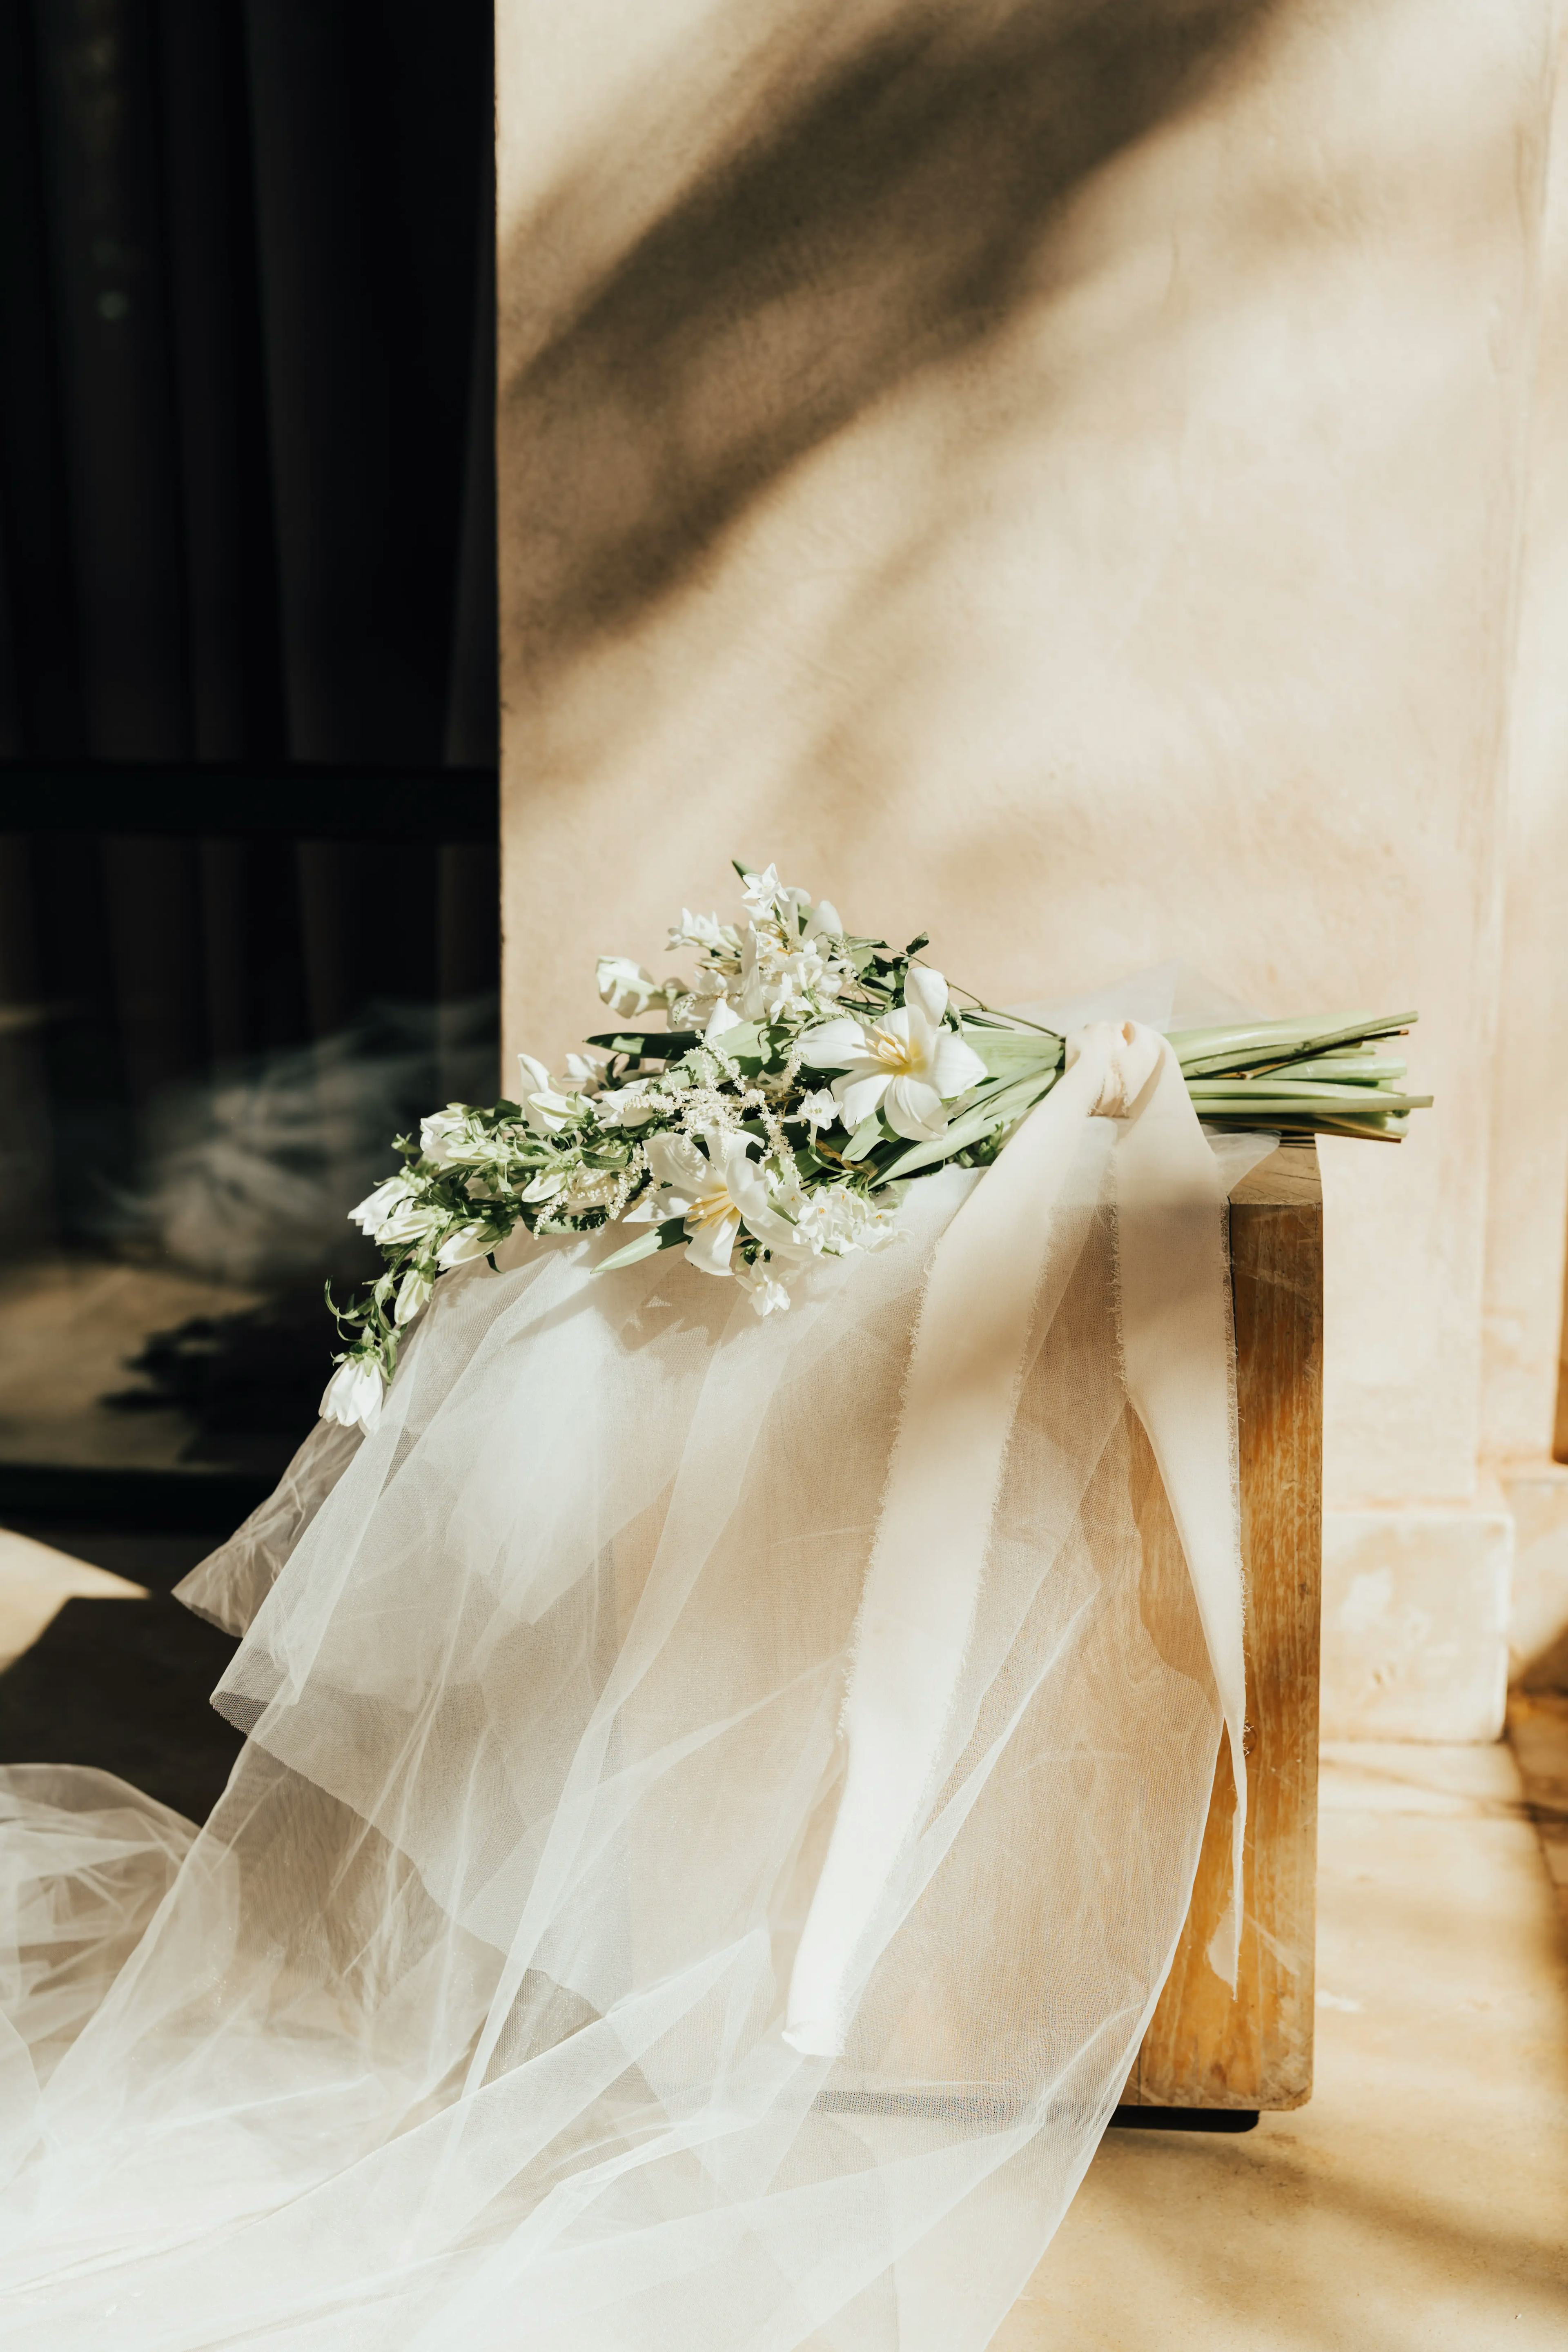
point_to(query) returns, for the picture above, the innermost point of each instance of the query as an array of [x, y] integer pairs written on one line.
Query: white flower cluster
[[784, 964], [755, 1115]]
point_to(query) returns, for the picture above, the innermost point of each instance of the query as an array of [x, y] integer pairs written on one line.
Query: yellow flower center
[[711, 1210], [893, 1053]]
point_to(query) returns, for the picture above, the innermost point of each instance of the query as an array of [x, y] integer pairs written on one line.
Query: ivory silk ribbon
[[967, 1369]]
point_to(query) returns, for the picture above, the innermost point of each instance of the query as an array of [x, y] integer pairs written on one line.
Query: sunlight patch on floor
[[35, 1583], [1417, 2203]]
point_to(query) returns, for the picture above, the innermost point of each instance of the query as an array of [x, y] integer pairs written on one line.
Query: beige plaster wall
[[1528, 1193], [1054, 473]]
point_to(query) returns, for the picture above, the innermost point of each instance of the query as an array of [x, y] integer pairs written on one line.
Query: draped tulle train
[[460, 2024]]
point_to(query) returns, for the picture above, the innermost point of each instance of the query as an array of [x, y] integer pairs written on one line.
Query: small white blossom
[[833, 1221], [355, 1394], [632, 1105], [705, 931], [625, 987], [447, 1139], [547, 1106], [817, 1110], [769, 1296], [376, 1211]]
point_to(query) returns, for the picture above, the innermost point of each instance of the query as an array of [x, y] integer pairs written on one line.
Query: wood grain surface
[[1206, 2047]]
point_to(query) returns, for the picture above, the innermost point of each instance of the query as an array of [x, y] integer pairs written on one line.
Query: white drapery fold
[[966, 1368]]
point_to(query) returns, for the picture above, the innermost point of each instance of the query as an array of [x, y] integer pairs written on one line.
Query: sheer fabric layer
[[459, 2022]]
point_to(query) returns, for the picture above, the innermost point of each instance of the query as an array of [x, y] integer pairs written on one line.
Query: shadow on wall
[[881, 216]]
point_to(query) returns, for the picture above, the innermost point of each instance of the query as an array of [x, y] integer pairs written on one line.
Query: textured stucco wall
[[1054, 473]]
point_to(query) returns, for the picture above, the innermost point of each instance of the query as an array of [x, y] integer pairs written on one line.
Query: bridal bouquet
[[763, 1113]]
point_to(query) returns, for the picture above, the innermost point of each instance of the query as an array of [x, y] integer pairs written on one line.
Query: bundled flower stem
[[765, 1113]]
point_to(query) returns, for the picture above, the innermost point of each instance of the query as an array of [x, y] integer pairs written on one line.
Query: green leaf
[[1244, 1046], [647, 1045], [1012, 1053], [744, 1042], [658, 1237], [998, 1108], [864, 1138]]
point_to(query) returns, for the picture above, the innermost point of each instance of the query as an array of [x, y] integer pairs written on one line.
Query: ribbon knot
[[1131, 1057]]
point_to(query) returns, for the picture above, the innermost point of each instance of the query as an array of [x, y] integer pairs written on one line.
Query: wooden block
[[1204, 2047]]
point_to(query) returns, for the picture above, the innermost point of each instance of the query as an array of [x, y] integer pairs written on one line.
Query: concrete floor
[[1420, 2203]]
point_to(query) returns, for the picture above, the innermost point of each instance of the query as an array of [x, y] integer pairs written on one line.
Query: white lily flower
[[711, 1194], [413, 1292], [625, 986], [546, 1185], [907, 1064], [355, 1394], [696, 1189]]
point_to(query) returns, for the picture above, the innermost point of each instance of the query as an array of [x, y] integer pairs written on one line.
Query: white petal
[[859, 1098], [676, 1164], [534, 1074], [724, 1016], [926, 988], [469, 1242], [749, 1191], [955, 1067], [915, 1108], [709, 1246], [833, 1044], [413, 1292], [354, 1393], [907, 1024]]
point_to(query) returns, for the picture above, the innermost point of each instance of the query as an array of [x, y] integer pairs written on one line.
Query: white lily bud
[[377, 1208], [469, 1242], [413, 1292], [440, 1133]]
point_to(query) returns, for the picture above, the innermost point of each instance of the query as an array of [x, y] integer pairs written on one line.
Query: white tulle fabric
[[613, 1683]]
